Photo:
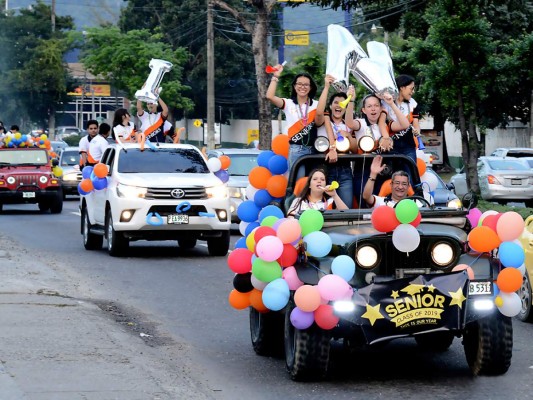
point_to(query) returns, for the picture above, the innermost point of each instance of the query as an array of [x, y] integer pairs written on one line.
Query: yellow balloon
[[498, 301], [58, 171], [43, 137], [18, 135], [250, 241]]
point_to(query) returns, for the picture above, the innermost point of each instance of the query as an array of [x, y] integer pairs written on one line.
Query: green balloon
[[266, 271], [406, 211], [269, 221], [311, 221]]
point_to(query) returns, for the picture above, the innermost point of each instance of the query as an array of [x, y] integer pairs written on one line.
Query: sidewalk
[[53, 347]]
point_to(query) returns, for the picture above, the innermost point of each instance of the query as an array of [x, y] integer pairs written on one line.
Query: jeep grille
[[27, 180], [164, 193]]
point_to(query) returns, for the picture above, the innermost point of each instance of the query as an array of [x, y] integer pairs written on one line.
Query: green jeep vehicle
[[395, 294]]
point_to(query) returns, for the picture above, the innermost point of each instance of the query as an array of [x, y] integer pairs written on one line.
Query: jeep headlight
[[217, 192], [236, 192], [366, 257], [130, 192], [455, 203], [442, 254], [43, 179], [10, 180], [71, 177]]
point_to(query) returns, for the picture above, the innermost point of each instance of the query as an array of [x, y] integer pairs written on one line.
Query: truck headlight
[[455, 203], [130, 191], [71, 177], [366, 257], [442, 254], [217, 192], [236, 192]]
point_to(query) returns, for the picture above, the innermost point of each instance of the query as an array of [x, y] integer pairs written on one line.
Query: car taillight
[[492, 180]]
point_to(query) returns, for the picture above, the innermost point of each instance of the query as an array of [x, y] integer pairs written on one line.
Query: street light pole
[[210, 78]]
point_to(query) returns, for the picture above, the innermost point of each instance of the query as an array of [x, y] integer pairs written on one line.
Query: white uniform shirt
[[97, 147]]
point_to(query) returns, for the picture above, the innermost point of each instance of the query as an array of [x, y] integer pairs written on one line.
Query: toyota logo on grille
[[177, 193]]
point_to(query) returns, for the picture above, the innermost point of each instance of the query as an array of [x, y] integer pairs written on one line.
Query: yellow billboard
[[296, 38], [98, 90], [253, 134]]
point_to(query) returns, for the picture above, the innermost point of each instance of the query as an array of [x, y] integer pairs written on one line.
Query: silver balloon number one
[[150, 90]]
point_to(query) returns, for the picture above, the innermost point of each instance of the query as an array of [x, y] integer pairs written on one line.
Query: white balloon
[[429, 180], [405, 238], [214, 164], [250, 192], [242, 227], [522, 269], [256, 283], [511, 304]]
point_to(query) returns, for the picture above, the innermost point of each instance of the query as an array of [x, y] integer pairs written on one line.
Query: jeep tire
[[488, 345], [435, 341], [525, 314], [117, 244], [56, 205], [43, 206], [219, 246], [187, 243], [306, 351], [90, 240], [266, 332]]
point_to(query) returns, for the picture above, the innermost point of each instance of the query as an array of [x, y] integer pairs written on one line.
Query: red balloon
[[417, 220], [289, 255], [240, 261], [325, 318], [384, 219], [491, 221], [263, 231]]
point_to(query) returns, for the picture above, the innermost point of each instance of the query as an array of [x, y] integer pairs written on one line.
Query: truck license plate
[[479, 287], [177, 219], [28, 195]]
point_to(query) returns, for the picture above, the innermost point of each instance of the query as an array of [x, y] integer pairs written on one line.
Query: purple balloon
[[278, 223], [473, 216], [223, 175], [301, 319]]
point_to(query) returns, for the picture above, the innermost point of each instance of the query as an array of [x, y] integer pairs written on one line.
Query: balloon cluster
[[401, 221], [219, 166], [19, 140], [499, 232], [94, 178], [264, 260]]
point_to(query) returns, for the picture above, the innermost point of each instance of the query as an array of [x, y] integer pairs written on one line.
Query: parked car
[[501, 179], [432, 142], [518, 152], [62, 132], [58, 146], [525, 292], [242, 162], [443, 196], [69, 161]]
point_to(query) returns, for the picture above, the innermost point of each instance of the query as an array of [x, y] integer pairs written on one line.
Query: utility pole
[[53, 15], [210, 78]]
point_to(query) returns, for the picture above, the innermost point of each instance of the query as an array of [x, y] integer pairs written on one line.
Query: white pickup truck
[[166, 193]]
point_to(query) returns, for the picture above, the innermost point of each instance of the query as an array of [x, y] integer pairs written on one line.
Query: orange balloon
[[277, 186], [100, 170], [307, 298], [86, 185], [239, 300], [299, 186], [509, 280], [280, 145], [259, 177], [256, 300], [421, 165], [483, 239], [225, 162]]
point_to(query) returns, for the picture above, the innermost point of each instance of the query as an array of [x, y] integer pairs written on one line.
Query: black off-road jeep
[[396, 294]]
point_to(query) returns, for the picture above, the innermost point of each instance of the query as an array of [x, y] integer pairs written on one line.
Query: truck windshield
[[162, 161], [23, 157]]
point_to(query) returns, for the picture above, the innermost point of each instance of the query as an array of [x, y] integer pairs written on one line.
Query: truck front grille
[[165, 193]]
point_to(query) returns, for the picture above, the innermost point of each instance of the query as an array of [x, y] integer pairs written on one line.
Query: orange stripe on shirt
[[298, 126], [156, 125]]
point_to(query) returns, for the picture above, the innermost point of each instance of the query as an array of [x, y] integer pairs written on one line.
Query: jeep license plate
[[177, 219], [28, 195], [479, 287]]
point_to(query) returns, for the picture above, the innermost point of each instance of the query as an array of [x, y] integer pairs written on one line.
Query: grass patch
[[484, 205]]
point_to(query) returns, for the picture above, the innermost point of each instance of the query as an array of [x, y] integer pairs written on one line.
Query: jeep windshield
[[162, 161], [23, 157]]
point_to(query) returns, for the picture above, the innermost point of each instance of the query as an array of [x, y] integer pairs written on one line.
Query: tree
[[123, 59]]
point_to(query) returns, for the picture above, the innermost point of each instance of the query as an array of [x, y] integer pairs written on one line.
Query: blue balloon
[[86, 172], [511, 254], [264, 157], [276, 294], [270, 211], [344, 267], [248, 211], [241, 243], [223, 175], [262, 198], [251, 226], [100, 183], [318, 243], [278, 165]]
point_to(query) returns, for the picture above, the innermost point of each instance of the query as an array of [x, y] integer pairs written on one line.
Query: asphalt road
[[180, 299]]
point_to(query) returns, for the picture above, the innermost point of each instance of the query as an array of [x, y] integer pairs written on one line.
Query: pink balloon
[[291, 277], [307, 298], [473, 216], [289, 230], [463, 267], [332, 287], [510, 226], [269, 248]]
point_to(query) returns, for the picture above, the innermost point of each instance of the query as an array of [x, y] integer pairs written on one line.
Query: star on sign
[[431, 288], [457, 298], [413, 289], [394, 294], [372, 313]]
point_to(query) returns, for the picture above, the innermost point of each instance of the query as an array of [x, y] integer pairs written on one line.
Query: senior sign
[[404, 306]]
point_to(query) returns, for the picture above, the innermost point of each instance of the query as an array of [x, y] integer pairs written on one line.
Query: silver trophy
[[150, 90]]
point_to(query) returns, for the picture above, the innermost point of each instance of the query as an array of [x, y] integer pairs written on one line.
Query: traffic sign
[[197, 123]]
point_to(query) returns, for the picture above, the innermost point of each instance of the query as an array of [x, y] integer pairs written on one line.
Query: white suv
[[163, 194]]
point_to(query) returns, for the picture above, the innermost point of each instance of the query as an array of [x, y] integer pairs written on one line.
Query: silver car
[[517, 152], [69, 161], [242, 162]]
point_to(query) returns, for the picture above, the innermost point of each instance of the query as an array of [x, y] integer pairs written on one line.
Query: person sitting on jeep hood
[[399, 186]]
